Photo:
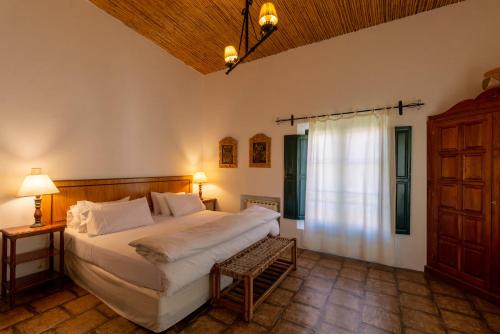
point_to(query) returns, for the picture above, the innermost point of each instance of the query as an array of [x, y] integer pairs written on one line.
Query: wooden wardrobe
[[463, 200]]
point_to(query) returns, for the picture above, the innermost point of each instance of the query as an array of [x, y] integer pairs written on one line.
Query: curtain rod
[[400, 108]]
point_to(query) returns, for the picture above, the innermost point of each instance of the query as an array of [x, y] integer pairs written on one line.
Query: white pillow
[[160, 206], [76, 215], [182, 205], [117, 217]]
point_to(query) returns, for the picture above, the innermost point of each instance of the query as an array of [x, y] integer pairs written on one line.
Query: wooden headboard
[[54, 207]]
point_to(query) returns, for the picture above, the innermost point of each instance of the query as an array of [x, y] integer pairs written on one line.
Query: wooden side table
[[21, 283], [210, 203]]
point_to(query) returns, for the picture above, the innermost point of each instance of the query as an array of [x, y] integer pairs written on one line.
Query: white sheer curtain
[[348, 204]]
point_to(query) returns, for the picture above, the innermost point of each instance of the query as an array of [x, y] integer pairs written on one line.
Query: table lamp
[[37, 184], [200, 178]]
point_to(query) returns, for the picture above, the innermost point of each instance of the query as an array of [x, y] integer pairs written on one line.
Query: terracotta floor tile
[[324, 272], [382, 287], [353, 274], [106, 310], [455, 305], [355, 264], [414, 288], [243, 327], [280, 297], [43, 322], [484, 306], [342, 317], [267, 315], [330, 263], [291, 283], [445, 289], [326, 328], [382, 319], [205, 325], [382, 275], [82, 323], [81, 304], [53, 300], [411, 275], [419, 303], [367, 329], [304, 315], [463, 323], [301, 272], [423, 322], [493, 321], [116, 326], [286, 327], [14, 316], [389, 303], [346, 299], [349, 285], [306, 263], [307, 254], [319, 284], [223, 315], [311, 297]]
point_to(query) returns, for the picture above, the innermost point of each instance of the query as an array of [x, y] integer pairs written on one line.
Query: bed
[[153, 296]]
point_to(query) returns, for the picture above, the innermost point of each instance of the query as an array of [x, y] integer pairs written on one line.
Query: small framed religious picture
[[260, 151], [228, 153]]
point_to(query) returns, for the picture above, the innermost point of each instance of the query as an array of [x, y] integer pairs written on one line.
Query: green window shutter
[[403, 179], [295, 163]]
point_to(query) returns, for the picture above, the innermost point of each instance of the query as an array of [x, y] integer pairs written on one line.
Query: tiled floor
[[325, 295]]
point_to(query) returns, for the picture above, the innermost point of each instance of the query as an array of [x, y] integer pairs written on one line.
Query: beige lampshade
[[230, 55], [36, 185], [268, 17], [199, 177]]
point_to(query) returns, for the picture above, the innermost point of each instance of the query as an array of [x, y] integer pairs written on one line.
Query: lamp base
[[38, 212]]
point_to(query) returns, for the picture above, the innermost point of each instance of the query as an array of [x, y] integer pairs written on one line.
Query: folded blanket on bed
[[172, 247]]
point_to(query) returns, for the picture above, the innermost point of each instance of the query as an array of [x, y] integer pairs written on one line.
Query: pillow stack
[[176, 204], [77, 215]]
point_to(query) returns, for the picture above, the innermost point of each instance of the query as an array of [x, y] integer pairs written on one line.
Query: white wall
[[84, 96], [437, 56]]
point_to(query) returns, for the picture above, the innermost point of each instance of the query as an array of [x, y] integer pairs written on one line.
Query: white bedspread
[[112, 253], [168, 247]]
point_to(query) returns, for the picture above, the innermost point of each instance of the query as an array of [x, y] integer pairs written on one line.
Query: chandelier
[[268, 21]]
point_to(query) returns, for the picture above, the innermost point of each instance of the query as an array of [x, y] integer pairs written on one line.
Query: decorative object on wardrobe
[[268, 21], [260, 151], [491, 78], [400, 106], [403, 178], [37, 184], [200, 178], [463, 199], [228, 153]]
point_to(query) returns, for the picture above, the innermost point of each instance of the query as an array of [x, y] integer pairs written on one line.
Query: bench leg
[[248, 281], [294, 254], [215, 283]]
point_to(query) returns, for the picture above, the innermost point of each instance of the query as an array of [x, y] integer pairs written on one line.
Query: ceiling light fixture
[[268, 21]]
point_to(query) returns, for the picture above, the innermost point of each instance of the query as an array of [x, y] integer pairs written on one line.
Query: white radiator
[[267, 202]]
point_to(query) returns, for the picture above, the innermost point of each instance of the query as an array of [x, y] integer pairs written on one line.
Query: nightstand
[[210, 203], [12, 234]]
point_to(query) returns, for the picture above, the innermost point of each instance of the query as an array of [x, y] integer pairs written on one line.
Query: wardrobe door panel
[[495, 204]]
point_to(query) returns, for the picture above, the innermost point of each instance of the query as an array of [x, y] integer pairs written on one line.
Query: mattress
[[112, 253], [145, 307]]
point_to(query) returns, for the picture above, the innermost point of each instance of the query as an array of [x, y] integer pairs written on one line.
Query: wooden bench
[[256, 271]]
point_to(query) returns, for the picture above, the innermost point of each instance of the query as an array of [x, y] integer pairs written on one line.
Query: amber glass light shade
[[230, 55], [268, 17]]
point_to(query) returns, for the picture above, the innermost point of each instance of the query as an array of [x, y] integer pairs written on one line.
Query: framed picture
[[260, 151], [228, 153]]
